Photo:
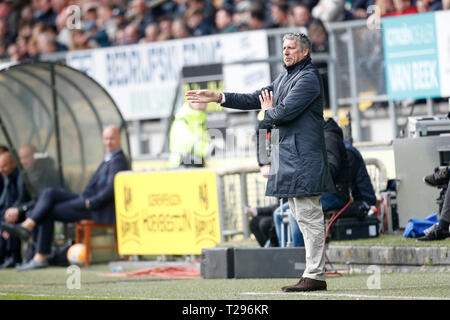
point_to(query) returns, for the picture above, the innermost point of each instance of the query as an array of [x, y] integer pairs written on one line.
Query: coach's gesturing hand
[[204, 96], [266, 99]]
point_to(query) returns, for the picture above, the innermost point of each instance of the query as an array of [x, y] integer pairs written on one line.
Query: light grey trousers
[[308, 213]]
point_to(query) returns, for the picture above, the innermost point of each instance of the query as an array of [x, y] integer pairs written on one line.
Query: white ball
[[77, 254]]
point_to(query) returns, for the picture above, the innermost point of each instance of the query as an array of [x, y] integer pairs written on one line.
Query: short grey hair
[[302, 39]]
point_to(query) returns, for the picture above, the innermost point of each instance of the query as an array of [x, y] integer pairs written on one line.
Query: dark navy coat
[[299, 160], [100, 189]]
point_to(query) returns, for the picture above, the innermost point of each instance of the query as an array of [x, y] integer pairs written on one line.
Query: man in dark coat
[[293, 106], [14, 194], [362, 188], [95, 203], [339, 166]]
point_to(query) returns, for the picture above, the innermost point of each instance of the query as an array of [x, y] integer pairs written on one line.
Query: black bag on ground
[[357, 209]]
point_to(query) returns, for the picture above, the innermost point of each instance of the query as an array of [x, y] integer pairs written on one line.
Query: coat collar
[[299, 65]]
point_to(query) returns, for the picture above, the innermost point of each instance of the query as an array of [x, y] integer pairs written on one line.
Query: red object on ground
[[159, 272]]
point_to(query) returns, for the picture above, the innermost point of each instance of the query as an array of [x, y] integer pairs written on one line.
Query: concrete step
[[385, 255]]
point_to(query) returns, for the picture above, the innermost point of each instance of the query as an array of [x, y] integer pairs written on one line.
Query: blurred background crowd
[[29, 28]]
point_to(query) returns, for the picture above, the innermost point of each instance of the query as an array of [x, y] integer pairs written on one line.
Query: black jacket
[[299, 163], [14, 195], [337, 158], [362, 188], [100, 189]]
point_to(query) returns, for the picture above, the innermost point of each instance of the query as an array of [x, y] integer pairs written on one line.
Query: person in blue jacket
[[95, 203], [293, 110]]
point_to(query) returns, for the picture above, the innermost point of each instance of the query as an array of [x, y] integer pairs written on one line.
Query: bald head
[[111, 138], [26, 155], [7, 164]]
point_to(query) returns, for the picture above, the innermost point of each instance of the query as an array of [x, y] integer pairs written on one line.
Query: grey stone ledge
[[418, 256]]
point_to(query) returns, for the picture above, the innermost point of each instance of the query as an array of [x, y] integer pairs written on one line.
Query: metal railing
[[242, 187]]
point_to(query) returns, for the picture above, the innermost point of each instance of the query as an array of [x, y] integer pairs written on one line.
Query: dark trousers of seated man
[[55, 205], [10, 248], [263, 228]]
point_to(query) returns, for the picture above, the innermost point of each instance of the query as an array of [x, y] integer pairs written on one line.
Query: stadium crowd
[[29, 28]]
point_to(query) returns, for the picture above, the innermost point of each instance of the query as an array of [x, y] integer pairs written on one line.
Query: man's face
[[6, 166], [26, 158], [111, 139], [292, 52]]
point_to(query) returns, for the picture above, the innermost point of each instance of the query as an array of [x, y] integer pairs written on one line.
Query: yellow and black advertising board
[[170, 212]]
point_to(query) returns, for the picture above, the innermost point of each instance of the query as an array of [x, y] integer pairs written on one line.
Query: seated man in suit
[[14, 194], [41, 172], [95, 203]]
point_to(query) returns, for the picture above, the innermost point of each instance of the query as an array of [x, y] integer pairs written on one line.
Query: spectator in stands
[[329, 10], [165, 28], [89, 13], [97, 34], [257, 19], [174, 8], [119, 39], [180, 29], [58, 6], [241, 16], [119, 20], [196, 23], [142, 16], [11, 14], [25, 30], [64, 32], [224, 20], [45, 13], [151, 33], [14, 53], [79, 40], [386, 7], [96, 203], [319, 37], [131, 33], [359, 8], [3, 49], [280, 14], [106, 21], [440, 178], [32, 49], [301, 16], [402, 7], [13, 195], [428, 5], [22, 47], [26, 15], [207, 9], [5, 35], [319, 44], [446, 4], [47, 42]]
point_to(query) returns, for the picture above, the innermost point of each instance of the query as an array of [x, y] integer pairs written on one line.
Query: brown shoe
[[306, 284]]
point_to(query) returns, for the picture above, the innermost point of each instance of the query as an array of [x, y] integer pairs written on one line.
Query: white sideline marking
[[347, 295], [72, 296]]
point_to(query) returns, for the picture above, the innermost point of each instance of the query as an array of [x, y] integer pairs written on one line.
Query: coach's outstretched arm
[[203, 96]]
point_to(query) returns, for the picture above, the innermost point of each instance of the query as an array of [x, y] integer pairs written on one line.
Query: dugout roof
[[62, 112]]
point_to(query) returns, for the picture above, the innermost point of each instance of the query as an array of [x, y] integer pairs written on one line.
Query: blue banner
[[411, 56]]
